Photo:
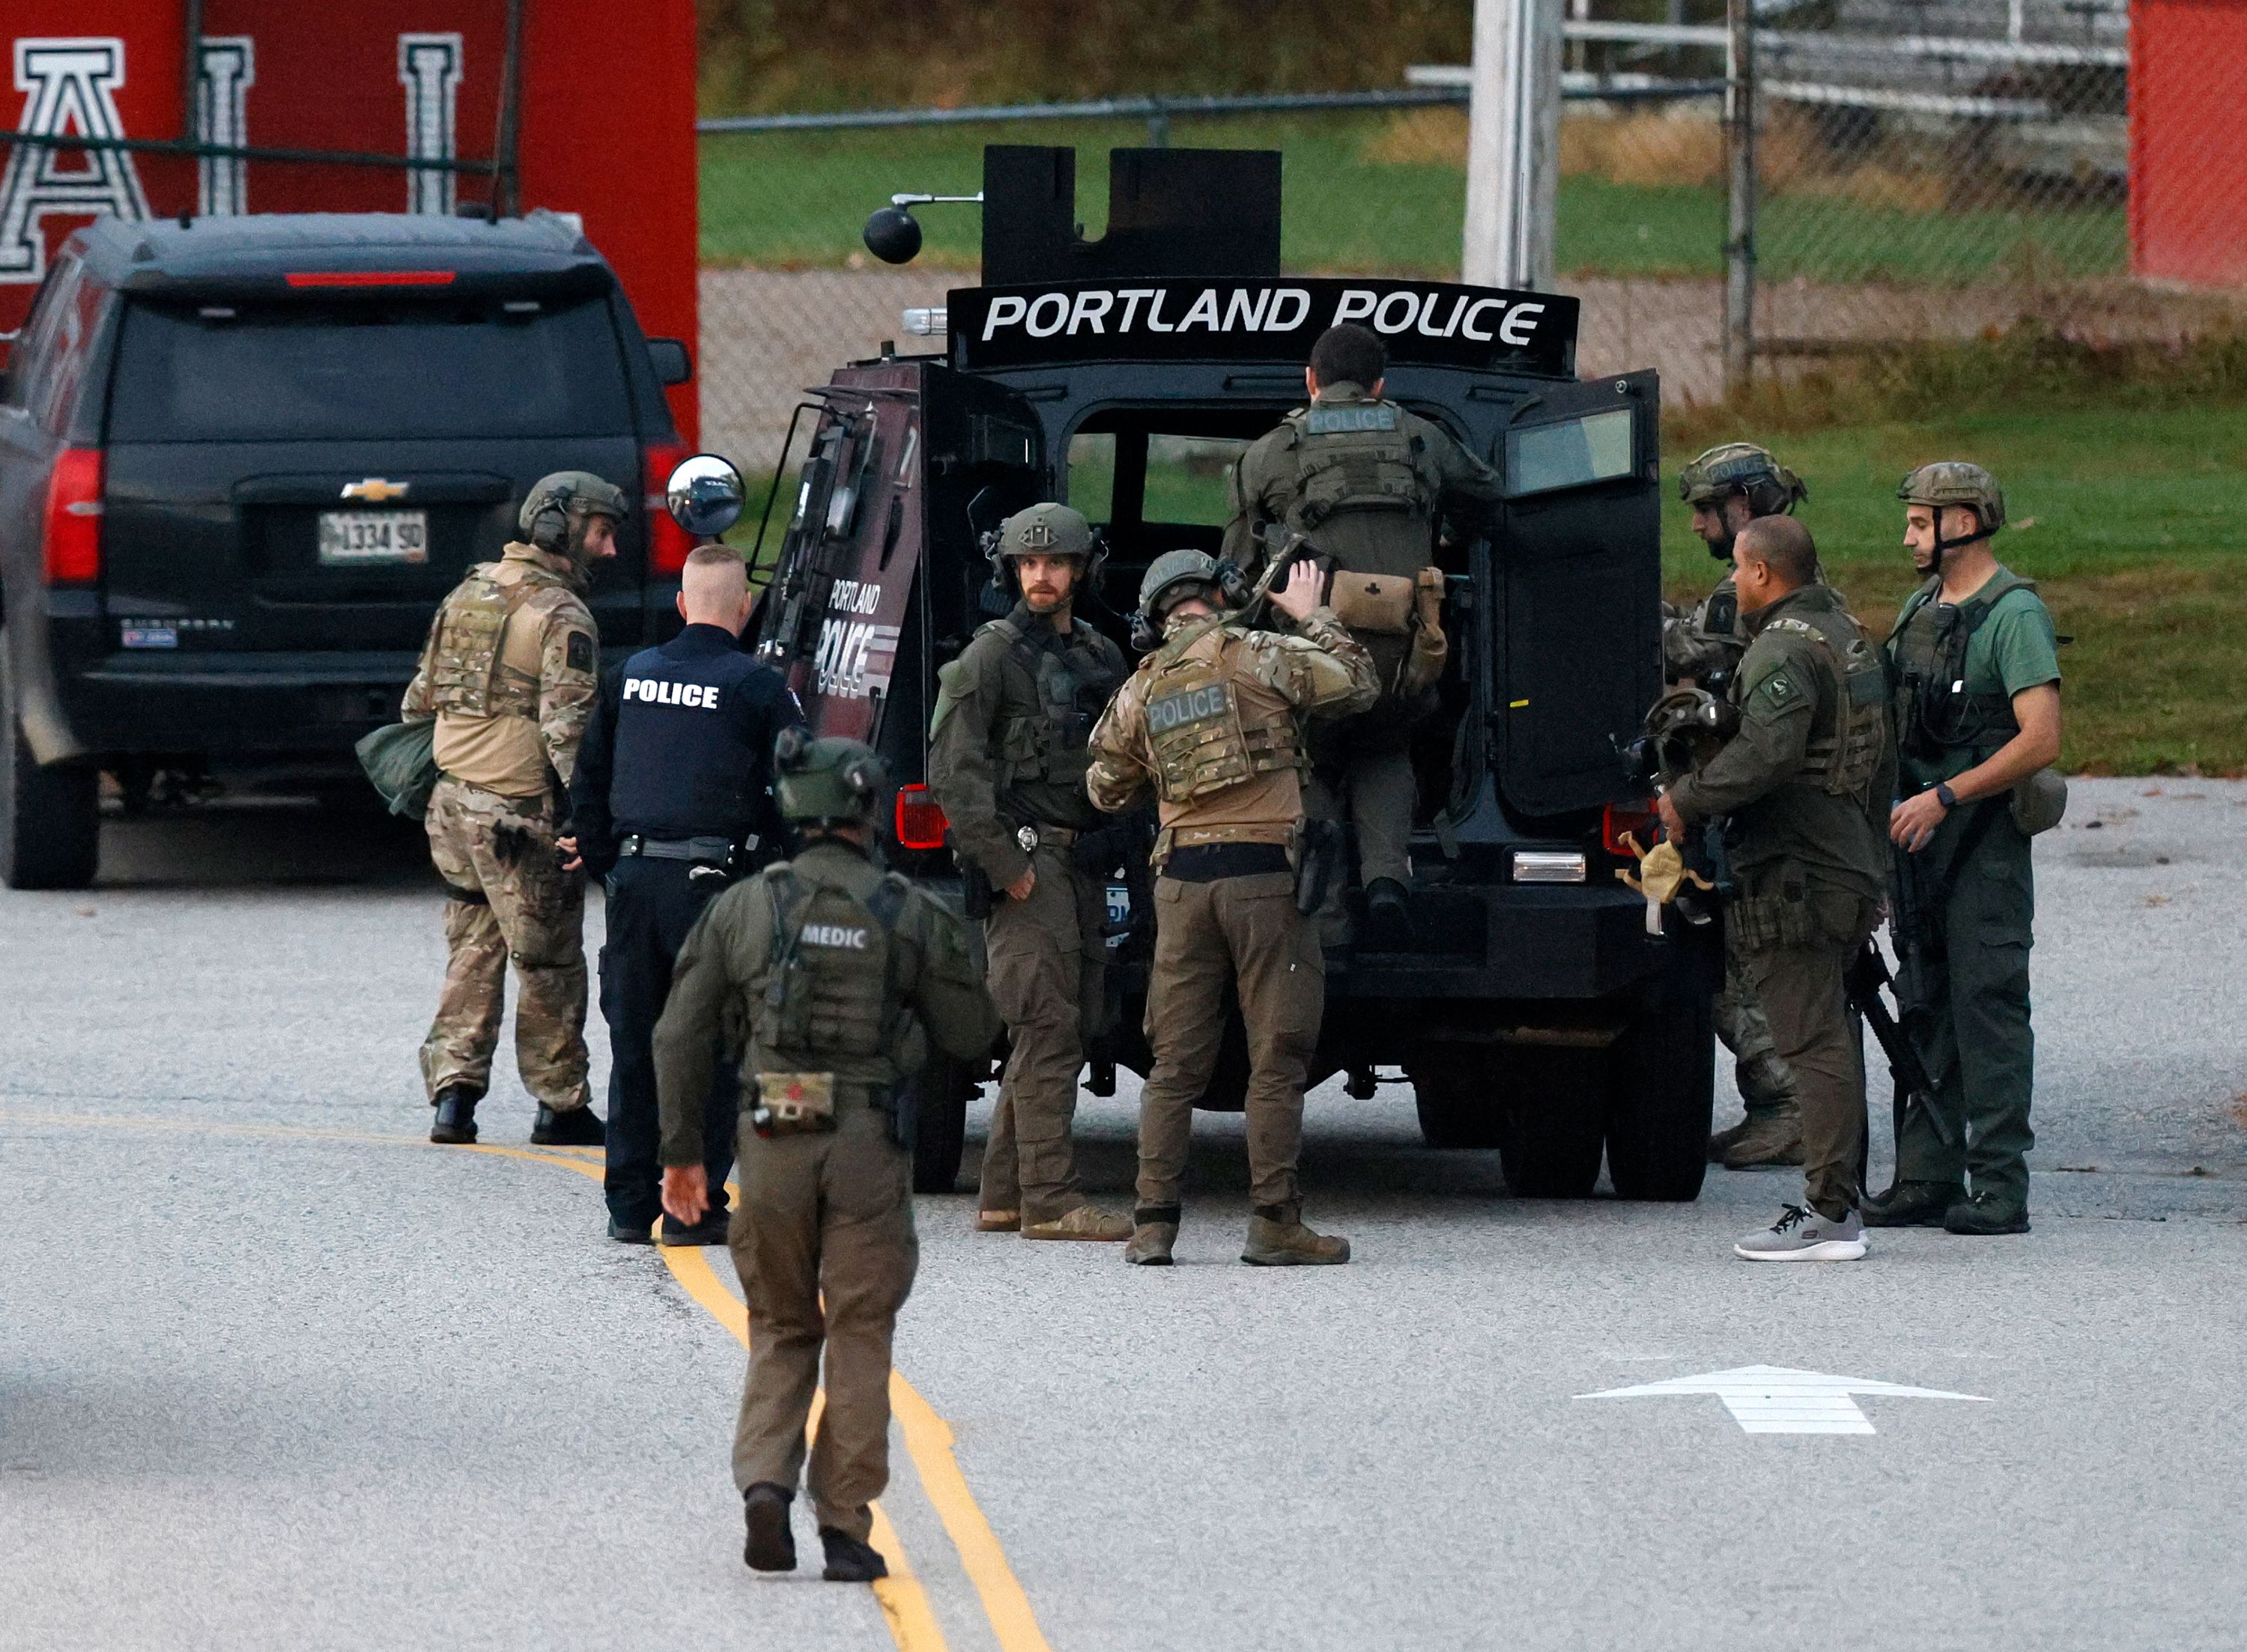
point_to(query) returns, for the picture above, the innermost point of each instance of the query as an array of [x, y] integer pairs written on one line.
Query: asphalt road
[[274, 1372]]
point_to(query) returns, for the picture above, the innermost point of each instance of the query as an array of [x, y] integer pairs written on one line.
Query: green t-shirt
[[2015, 649]]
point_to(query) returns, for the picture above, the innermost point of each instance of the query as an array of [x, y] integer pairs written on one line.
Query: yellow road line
[[929, 1440]]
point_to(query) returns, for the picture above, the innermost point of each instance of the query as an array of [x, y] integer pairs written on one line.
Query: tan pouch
[[1430, 648], [2039, 801], [794, 1103], [1379, 605]]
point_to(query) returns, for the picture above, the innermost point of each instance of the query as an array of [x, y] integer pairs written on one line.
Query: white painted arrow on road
[[1771, 1399]]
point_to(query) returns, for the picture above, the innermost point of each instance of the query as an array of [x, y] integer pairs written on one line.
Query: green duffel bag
[[401, 760]]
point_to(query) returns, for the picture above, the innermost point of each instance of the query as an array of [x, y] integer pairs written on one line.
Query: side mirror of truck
[[668, 356], [703, 495]]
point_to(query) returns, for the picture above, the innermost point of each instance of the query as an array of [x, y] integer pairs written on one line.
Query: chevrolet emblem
[[375, 490]]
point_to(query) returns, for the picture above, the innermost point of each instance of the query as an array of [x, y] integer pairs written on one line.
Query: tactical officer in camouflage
[[1212, 722], [829, 978], [509, 672], [1007, 759], [1804, 785], [1727, 488], [1977, 675], [1369, 484]]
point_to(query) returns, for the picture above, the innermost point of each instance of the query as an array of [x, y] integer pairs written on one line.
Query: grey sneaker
[[1802, 1235]]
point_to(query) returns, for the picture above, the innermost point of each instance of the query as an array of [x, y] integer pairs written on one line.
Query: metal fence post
[[1740, 194]]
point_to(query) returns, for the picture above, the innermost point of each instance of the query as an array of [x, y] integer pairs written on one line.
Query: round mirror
[[703, 495], [893, 235]]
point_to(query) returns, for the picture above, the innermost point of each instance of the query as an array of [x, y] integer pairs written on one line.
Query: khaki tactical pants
[[1799, 979], [1048, 976], [510, 900], [1244, 931], [825, 1216]]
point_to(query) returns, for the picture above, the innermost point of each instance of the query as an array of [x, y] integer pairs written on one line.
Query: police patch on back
[[1195, 704], [1328, 419]]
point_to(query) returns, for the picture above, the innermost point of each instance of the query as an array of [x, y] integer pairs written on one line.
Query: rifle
[[1867, 975]]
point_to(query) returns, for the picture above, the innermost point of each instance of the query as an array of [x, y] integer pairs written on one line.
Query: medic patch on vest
[[1350, 417], [1189, 706], [578, 651], [851, 938]]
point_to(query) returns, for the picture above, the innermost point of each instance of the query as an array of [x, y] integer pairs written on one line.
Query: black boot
[[579, 1127], [711, 1230], [1910, 1204], [771, 1546], [1388, 915], [455, 1124], [849, 1560]]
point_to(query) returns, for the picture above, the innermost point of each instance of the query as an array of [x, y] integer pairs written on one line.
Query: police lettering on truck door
[[855, 655]]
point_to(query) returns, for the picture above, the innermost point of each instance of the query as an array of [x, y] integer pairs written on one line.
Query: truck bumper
[[233, 705]]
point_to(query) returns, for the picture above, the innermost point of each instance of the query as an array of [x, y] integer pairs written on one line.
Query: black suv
[[243, 459]]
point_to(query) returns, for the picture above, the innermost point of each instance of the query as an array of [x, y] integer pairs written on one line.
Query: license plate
[[353, 539]]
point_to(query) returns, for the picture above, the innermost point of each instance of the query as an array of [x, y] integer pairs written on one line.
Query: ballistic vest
[[1934, 714], [1356, 458], [825, 991], [469, 673], [1074, 684], [1846, 758]]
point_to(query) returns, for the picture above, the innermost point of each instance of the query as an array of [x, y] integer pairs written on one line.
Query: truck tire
[[1661, 1088], [1551, 1147], [941, 1136], [1456, 1093], [49, 818]]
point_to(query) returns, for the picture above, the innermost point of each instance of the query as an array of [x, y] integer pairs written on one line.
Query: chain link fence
[[1925, 169]]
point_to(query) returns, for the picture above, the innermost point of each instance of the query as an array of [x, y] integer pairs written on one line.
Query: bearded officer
[[1804, 786], [1368, 483], [672, 802], [1728, 486], [1977, 670], [1007, 761], [509, 671], [1212, 723], [834, 977]]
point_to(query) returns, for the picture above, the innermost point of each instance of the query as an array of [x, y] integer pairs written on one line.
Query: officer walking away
[[1007, 761], [1976, 671], [1213, 723], [1727, 488], [670, 803], [832, 976], [1805, 784], [509, 671], [1369, 484]]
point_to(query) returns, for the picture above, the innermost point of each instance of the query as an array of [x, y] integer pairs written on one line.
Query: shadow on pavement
[[262, 841]]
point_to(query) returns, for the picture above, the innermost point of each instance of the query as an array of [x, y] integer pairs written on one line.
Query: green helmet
[[1742, 467], [1045, 530], [826, 781], [1953, 481], [555, 502], [1169, 576]]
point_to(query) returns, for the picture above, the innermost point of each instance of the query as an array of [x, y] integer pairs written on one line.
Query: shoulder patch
[[578, 651], [1778, 688]]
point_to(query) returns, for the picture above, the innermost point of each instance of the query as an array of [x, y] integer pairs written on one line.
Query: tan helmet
[[1953, 481], [1741, 467], [555, 502]]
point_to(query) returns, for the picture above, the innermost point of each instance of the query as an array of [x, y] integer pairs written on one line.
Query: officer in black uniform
[[671, 802]]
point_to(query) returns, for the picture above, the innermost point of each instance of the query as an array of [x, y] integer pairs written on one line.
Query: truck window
[[1573, 453], [1183, 480], [50, 358], [353, 369]]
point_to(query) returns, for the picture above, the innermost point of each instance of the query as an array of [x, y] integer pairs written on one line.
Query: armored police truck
[[1537, 1010]]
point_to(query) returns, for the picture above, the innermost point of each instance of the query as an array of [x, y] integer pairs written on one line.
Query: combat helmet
[[826, 781], [1953, 481], [557, 503], [1047, 529], [1742, 467], [1172, 577]]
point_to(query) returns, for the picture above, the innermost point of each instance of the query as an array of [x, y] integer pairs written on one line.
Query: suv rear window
[[359, 370]]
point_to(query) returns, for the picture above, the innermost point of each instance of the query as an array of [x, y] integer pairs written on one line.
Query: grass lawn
[[2133, 525], [795, 198]]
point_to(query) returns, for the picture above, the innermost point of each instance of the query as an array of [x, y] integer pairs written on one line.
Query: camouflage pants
[[1765, 1084], [510, 899]]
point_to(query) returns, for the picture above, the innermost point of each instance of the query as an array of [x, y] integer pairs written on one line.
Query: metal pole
[[507, 177], [1513, 145], [191, 63], [1739, 244]]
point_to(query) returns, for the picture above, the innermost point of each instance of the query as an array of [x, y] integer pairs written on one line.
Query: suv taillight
[[920, 819], [72, 535], [667, 543], [1642, 821]]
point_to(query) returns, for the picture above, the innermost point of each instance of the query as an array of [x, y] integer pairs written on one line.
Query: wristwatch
[[1945, 795]]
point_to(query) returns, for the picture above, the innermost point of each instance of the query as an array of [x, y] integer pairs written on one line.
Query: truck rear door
[[1579, 554]]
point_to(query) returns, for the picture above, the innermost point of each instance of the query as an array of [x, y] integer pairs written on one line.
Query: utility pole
[[1513, 145], [1740, 202]]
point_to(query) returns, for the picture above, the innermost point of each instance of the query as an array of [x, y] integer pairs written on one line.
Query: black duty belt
[[1206, 863], [1038, 835], [712, 851]]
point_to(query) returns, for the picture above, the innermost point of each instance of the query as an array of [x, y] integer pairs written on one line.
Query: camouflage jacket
[[1707, 641], [538, 694]]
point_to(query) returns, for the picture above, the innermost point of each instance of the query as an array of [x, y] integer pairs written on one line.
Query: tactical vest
[[1847, 758], [1074, 684], [1934, 714], [826, 992], [468, 674], [1203, 738], [1357, 456]]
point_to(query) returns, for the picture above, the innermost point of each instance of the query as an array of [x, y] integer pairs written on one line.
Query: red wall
[[2189, 141], [607, 122]]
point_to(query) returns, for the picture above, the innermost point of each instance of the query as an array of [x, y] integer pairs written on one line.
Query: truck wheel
[[1661, 1087], [1551, 1147], [49, 818], [1455, 1092], [941, 1137]]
